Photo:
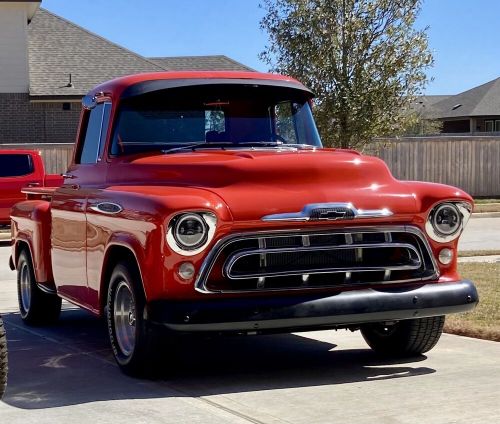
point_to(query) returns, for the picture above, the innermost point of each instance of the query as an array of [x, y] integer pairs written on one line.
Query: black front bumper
[[292, 313]]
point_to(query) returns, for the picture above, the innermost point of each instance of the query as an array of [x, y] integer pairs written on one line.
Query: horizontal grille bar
[[316, 260]]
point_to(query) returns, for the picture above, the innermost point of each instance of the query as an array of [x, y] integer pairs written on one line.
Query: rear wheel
[[404, 338], [3, 359], [132, 338], [35, 306]]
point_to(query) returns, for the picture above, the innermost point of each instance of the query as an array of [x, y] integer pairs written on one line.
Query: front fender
[[140, 228]]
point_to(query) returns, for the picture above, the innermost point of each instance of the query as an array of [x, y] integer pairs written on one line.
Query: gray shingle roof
[[424, 105], [58, 47], [483, 100], [200, 63]]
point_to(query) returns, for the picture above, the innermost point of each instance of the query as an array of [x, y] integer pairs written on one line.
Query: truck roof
[[137, 84]]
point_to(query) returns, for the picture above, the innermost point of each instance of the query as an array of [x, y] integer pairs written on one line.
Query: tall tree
[[364, 60]]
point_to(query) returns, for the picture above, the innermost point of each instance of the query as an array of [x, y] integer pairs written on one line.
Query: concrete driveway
[[66, 373]]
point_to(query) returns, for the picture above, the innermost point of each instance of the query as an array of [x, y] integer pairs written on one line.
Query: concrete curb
[[486, 215]]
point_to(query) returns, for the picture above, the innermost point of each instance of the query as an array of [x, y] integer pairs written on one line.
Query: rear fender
[[31, 227]]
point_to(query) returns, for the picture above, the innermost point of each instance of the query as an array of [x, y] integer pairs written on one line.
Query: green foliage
[[362, 58], [418, 125]]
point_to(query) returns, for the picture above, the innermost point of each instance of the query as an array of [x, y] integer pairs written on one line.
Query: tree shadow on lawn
[[71, 363]]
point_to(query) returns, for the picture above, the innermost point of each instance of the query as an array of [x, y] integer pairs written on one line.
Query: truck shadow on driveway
[[71, 363]]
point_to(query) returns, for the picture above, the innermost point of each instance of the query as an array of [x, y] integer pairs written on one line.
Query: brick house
[[48, 63]]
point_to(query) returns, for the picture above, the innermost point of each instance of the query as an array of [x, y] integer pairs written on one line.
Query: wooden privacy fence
[[471, 163], [56, 157]]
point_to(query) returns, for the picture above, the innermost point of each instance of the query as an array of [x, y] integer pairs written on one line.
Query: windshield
[[213, 116]]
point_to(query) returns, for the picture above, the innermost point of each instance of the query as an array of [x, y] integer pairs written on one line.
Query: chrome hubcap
[[25, 287], [124, 318]]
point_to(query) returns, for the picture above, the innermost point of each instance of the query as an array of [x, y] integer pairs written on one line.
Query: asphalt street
[[66, 373], [481, 234]]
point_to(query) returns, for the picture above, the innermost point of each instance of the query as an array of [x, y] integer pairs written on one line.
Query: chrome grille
[[347, 257]]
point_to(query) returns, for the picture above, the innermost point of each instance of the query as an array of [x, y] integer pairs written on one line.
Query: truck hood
[[258, 183]]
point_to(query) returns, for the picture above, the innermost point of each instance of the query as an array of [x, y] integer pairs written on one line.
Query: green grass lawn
[[484, 321], [486, 205], [469, 253], [484, 201]]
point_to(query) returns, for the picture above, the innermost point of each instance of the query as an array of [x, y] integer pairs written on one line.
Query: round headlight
[[446, 219], [190, 231]]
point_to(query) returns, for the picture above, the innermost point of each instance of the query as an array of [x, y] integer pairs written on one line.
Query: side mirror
[[89, 102]]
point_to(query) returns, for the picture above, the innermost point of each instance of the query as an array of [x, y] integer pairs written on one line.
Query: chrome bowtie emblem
[[328, 211], [331, 214]]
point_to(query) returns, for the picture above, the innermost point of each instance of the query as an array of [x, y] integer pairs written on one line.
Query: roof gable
[[200, 63], [483, 100]]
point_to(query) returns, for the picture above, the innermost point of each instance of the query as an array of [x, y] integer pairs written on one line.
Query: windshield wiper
[[201, 144], [283, 145], [222, 145]]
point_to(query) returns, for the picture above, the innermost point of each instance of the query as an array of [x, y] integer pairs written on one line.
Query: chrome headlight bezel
[[463, 211], [208, 221]]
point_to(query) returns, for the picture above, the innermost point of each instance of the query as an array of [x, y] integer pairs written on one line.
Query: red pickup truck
[[204, 202], [19, 169]]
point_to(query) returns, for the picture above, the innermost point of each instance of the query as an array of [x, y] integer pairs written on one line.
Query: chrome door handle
[[33, 184], [71, 186], [68, 176]]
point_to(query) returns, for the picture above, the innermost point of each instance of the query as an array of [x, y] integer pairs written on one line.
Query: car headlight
[[189, 233], [447, 220]]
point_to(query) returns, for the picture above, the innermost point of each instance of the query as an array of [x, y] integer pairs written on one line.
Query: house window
[[492, 125]]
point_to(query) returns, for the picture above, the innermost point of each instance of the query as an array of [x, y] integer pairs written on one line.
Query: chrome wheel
[[124, 318], [25, 284]]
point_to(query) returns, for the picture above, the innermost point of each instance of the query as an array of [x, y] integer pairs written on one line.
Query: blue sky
[[463, 34]]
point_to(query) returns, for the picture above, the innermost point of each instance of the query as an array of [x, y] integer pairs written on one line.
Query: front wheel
[[132, 338], [3, 359], [35, 306], [404, 338]]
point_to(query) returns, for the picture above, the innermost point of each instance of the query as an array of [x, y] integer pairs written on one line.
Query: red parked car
[[204, 202], [19, 169]]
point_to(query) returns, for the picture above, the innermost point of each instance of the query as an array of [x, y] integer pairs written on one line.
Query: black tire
[[133, 340], [35, 306], [3, 359], [404, 338]]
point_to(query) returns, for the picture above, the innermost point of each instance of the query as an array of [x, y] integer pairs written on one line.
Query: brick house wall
[[22, 121]]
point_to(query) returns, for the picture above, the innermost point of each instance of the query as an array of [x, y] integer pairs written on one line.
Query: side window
[[15, 165], [95, 134], [104, 130], [214, 121]]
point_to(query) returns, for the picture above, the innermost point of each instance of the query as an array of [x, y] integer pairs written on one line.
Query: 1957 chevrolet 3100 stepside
[[204, 202]]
